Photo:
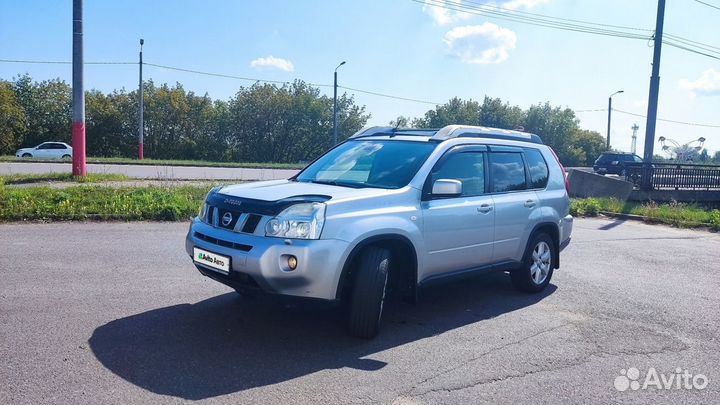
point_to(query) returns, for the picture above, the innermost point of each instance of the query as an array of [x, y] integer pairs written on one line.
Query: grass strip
[[65, 177], [100, 203], [161, 162], [681, 215]]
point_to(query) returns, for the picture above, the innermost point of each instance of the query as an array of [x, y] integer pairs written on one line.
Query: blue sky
[[398, 47]]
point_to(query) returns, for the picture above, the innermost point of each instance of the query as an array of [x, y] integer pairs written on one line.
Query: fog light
[[292, 262]]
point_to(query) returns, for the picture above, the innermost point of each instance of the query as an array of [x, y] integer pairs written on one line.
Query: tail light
[[565, 175]]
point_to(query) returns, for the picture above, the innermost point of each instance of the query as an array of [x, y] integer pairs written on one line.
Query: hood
[[275, 190]]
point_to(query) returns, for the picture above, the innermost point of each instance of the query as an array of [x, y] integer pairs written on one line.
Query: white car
[[46, 150]]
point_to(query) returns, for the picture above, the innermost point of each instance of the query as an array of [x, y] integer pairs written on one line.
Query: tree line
[[261, 123]]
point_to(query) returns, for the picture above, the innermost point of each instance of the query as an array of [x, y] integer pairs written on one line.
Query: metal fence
[[673, 176]]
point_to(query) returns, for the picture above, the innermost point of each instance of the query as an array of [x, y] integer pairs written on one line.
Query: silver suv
[[391, 210]]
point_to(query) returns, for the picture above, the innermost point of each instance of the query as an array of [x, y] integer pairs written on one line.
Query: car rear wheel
[[26, 155], [537, 268], [368, 293]]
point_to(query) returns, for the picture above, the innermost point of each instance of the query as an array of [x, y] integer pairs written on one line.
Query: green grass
[[98, 202], [162, 162], [675, 214], [66, 177]]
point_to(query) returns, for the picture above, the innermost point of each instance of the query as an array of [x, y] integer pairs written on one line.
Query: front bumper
[[320, 262]]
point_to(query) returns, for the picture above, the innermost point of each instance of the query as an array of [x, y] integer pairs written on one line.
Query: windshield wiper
[[338, 183]]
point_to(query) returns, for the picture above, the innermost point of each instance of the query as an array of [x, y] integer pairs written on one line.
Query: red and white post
[[78, 124]]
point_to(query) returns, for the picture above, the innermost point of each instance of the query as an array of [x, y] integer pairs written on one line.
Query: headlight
[[202, 212], [299, 221]]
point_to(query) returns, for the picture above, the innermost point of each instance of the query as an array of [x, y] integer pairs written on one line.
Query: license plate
[[212, 260]]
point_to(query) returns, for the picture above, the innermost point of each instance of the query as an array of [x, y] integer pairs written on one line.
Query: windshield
[[380, 164]]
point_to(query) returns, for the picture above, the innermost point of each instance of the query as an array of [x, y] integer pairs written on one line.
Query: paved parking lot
[[115, 313]]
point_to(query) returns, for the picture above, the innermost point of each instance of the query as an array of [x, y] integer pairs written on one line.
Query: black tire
[[66, 157], [522, 278], [368, 292], [26, 155]]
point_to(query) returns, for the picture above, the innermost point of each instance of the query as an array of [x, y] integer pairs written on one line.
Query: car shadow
[[226, 343]]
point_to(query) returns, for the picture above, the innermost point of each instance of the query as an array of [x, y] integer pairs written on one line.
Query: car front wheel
[[368, 293], [537, 268], [66, 156], [26, 155]]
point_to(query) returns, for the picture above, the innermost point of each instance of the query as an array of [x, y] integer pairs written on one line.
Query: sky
[[398, 47]]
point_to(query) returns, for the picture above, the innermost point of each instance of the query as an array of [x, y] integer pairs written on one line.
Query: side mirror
[[447, 188]]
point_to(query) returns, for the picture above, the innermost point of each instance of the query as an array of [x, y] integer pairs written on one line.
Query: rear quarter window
[[538, 168]]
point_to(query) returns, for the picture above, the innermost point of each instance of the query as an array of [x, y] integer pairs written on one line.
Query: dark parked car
[[615, 162]]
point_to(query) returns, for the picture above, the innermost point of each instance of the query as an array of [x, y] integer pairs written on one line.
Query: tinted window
[[538, 168], [507, 171], [626, 158], [637, 159], [57, 146], [380, 164], [44, 146], [468, 167], [608, 157]]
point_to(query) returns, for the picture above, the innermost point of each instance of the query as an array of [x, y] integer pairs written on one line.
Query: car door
[[516, 206], [58, 150], [458, 231], [42, 150]]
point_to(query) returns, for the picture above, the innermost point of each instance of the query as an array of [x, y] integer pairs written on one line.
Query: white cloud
[[272, 62], [481, 44], [444, 13], [708, 84]]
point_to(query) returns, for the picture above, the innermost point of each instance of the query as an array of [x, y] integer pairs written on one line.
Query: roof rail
[[457, 131], [372, 131], [451, 131]]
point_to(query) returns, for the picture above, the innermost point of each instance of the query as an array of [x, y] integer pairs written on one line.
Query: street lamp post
[[610, 115], [335, 86]]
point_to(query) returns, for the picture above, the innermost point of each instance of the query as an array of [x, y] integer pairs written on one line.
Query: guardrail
[[674, 176]]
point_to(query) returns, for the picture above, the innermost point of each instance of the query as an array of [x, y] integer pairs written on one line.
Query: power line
[[674, 45], [543, 21], [389, 96], [708, 4], [228, 76], [643, 116], [62, 62], [567, 24]]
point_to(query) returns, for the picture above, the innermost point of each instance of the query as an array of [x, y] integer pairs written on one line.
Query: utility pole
[[610, 115], [141, 113], [78, 96], [653, 98], [335, 86], [633, 146]]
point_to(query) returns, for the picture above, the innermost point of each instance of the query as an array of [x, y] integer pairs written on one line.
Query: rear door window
[[507, 172]]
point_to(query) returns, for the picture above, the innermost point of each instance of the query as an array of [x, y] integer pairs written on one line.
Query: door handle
[[529, 203], [485, 208]]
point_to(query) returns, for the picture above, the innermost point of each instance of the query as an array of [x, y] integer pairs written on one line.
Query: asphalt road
[[152, 172], [115, 313]]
